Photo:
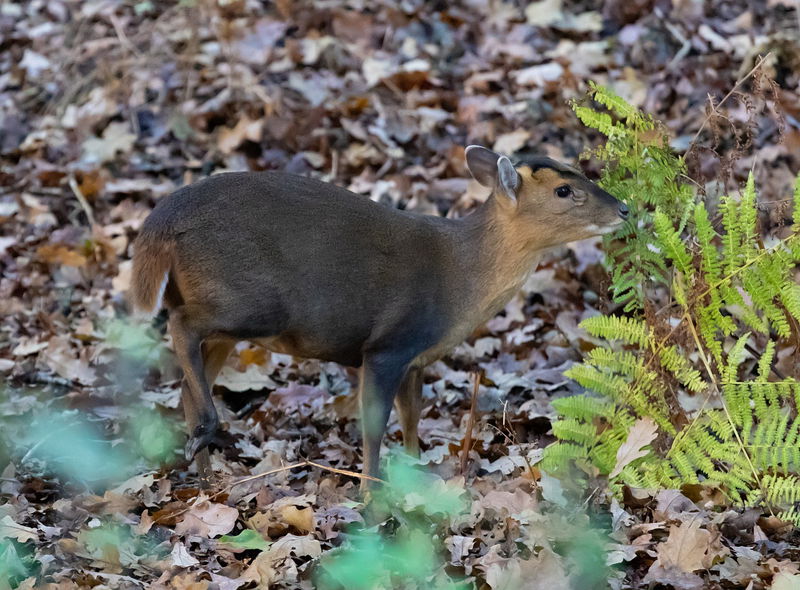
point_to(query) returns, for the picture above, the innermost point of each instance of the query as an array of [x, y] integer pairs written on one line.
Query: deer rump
[[303, 267]]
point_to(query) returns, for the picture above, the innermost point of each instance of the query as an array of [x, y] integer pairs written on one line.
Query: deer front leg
[[381, 375]]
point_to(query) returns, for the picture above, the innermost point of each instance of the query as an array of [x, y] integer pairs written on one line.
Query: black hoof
[[200, 438]]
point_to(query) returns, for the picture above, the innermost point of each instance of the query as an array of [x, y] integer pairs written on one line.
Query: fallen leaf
[[509, 143], [116, 138], [542, 572], [539, 75], [253, 377], [60, 254], [784, 581], [67, 362], [208, 519], [246, 129], [302, 519], [11, 530], [180, 556], [543, 13], [642, 433], [689, 548]]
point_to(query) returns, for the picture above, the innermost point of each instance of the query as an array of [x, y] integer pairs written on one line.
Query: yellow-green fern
[[725, 300]]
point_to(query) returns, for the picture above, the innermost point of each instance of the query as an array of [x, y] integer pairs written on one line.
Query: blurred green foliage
[[43, 437], [247, 539], [16, 563], [68, 444], [407, 553]]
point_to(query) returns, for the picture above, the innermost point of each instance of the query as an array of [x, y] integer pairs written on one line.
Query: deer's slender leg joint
[[408, 404], [201, 415]]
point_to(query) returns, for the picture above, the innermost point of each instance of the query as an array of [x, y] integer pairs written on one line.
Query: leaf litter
[[105, 107]]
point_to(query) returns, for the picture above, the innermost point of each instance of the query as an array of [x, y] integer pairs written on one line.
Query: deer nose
[[623, 211]]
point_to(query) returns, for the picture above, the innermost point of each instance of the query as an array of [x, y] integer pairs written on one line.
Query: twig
[[123, 38], [721, 397], [686, 45], [470, 423], [76, 190], [248, 478], [305, 463], [739, 82]]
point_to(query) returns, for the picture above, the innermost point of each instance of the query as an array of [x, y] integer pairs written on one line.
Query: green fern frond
[[765, 362], [735, 358], [576, 431], [673, 360], [628, 330], [791, 515], [705, 237], [781, 489], [743, 437], [584, 407], [673, 246]]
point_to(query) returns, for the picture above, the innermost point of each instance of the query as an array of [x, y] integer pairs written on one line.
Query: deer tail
[[153, 256]]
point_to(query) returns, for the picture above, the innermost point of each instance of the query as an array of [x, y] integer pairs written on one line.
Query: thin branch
[[470, 423], [249, 478], [739, 82], [718, 391], [87, 208]]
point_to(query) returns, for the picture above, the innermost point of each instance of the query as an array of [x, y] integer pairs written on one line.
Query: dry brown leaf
[[9, 529], [253, 377], [186, 581], [181, 557], [146, 522], [689, 548], [208, 519], [246, 129], [67, 362], [265, 567], [785, 581], [542, 572], [674, 577], [60, 254], [516, 504], [642, 433], [509, 143], [116, 138], [301, 519]]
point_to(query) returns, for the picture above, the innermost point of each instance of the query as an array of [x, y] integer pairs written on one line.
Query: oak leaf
[[642, 433]]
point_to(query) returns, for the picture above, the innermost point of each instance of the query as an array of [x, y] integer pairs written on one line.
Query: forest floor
[[107, 106]]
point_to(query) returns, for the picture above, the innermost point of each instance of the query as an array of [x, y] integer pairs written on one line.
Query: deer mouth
[[604, 228]]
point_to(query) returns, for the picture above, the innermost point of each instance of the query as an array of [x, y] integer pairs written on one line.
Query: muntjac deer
[[313, 270]]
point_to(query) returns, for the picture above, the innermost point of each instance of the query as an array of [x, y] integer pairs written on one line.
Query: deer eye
[[563, 191]]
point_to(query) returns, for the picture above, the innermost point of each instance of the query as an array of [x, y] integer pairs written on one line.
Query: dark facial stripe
[[567, 173], [539, 162]]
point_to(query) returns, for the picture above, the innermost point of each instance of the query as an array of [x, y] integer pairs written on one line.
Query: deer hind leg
[[215, 353], [408, 405], [187, 329]]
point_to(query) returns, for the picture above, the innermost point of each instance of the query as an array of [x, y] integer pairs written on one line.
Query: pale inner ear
[[482, 164], [508, 178]]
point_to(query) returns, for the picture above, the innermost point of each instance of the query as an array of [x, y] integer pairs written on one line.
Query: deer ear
[[482, 164], [508, 179]]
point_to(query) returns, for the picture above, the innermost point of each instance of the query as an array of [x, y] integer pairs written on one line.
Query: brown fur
[[151, 261], [314, 270]]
